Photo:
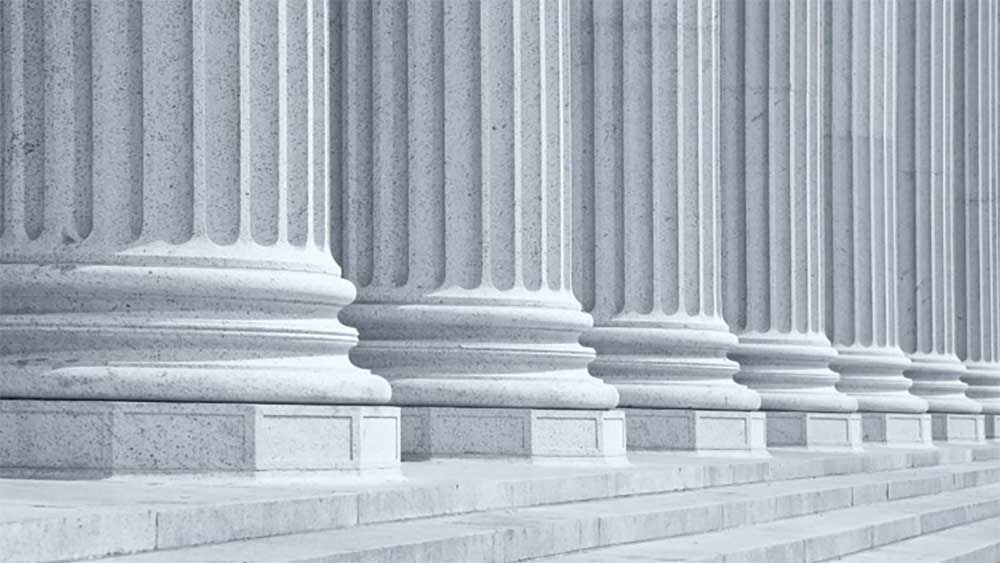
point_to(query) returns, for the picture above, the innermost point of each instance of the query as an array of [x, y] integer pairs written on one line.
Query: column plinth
[[926, 220], [646, 214], [164, 228], [452, 175], [859, 162]]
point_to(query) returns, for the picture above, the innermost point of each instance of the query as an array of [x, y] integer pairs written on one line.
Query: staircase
[[881, 505]]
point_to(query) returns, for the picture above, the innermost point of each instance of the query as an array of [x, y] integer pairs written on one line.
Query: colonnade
[[319, 234]]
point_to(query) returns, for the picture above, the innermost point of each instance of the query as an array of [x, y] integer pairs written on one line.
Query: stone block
[[703, 431], [820, 431], [100, 438], [992, 426], [539, 434], [897, 429], [959, 428]]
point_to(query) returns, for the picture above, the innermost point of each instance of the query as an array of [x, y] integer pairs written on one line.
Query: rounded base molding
[[315, 380], [688, 395], [983, 379], [791, 372], [873, 375], [565, 389], [480, 349], [937, 378], [669, 362], [164, 333]]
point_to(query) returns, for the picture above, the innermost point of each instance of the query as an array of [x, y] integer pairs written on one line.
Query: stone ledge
[[959, 428], [540, 434], [702, 431], [897, 429], [814, 430], [100, 438]]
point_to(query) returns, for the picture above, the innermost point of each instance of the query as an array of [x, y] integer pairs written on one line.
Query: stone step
[[65, 520], [816, 537], [978, 542], [526, 533]]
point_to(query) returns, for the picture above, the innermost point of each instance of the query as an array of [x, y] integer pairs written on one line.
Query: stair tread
[[582, 523], [791, 531], [982, 538]]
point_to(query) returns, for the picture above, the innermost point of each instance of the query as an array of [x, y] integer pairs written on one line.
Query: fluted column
[[646, 209], [453, 181], [925, 222], [859, 156], [164, 216], [772, 188], [977, 225]]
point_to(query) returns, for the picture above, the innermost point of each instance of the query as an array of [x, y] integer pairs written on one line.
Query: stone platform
[[819, 431], [86, 439], [486, 510], [703, 431], [897, 429], [543, 435], [959, 428]]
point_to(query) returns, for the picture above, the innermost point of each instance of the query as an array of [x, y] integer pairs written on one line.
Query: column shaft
[[165, 264], [859, 155], [453, 182], [926, 217], [646, 205], [772, 203], [164, 232], [977, 225]]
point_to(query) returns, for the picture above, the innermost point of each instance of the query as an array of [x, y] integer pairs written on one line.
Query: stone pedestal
[[925, 223], [815, 431], [859, 166], [538, 434], [451, 176], [772, 188], [959, 428], [165, 235], [76, 439], [904, 430], [992, 426], [977, 201], [702, 431], [646, 216]]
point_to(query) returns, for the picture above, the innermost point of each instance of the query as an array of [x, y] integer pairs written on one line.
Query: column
[[925, 223], [977, 229], [646, 212], [169, 298], [452, 179], [772, 188], [859, 159]]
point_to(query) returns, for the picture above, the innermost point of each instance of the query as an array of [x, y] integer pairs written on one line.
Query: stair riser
[[553, 536], [989, 554], [824, 548], [93, 535]]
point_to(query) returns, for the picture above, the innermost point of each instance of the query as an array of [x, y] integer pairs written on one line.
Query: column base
[[959, 428], [992, 426], [702, 431], [92, 439], [539, 434], [904, 430], [814, 430]]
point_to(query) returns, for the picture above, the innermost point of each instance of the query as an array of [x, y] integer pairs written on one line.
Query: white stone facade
[[322, 235]]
